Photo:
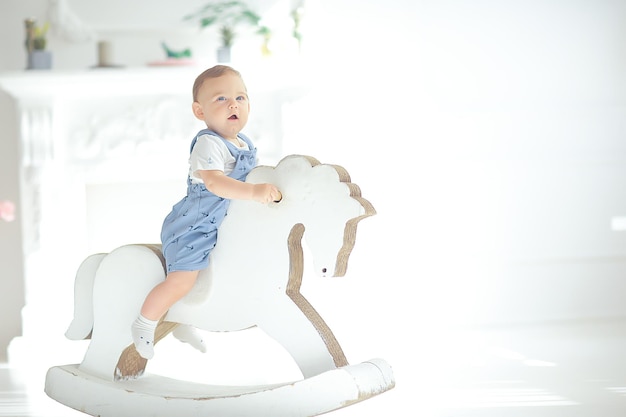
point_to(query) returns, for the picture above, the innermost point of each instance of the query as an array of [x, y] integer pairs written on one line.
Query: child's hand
[[266, 193]]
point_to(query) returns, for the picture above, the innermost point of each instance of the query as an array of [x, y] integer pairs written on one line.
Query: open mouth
[[233, 117]]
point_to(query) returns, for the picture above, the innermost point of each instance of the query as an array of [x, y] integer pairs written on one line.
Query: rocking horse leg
[[303, 333], [322, 329], [299, 328]]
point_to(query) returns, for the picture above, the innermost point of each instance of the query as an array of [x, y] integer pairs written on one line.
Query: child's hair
[[213, 72]]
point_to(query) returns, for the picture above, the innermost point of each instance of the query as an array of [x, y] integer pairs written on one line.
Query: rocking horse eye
[[323, 270]]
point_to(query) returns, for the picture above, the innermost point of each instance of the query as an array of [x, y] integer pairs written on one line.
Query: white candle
[[104, 53]]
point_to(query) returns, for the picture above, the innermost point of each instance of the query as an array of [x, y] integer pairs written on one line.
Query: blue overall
[[189, 231]]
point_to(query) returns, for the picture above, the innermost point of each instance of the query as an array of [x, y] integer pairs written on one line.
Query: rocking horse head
[[321, 204]]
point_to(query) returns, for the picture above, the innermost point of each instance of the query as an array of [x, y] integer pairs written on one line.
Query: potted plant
[[229, 14], [38, 57]]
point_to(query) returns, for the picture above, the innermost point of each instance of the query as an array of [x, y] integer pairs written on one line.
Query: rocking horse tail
[[82, 324]]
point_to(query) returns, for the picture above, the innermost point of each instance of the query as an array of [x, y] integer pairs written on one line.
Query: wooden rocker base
[[154, 395]]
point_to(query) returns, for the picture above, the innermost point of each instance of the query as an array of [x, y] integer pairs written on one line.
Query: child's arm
[[227, 187]]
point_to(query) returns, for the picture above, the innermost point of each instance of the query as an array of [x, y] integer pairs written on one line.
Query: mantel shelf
[[138, 80]]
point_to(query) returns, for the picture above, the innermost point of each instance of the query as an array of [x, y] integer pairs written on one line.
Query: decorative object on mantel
[[38, 57], [7, 210], [105, 56], [185, 53], [229, 14], [264, 291], [174, 58]]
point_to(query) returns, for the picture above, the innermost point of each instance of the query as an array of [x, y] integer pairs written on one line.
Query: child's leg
[[176, 285]]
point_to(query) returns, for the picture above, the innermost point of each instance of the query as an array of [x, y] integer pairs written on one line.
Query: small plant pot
[[223, 54], [38, 59]]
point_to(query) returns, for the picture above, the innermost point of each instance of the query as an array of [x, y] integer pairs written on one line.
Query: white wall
[[505, 124], [12, 282]]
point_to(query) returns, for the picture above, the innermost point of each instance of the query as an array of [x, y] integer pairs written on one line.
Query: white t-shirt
[[211, 153]]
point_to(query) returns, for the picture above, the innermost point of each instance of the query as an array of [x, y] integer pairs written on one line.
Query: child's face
[[222, 103]]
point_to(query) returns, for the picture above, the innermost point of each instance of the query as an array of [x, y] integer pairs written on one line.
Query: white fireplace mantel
[[101, 157], [138, 80], [99, 82]]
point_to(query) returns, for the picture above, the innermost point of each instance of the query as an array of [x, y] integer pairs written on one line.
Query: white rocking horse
[[253, 279]]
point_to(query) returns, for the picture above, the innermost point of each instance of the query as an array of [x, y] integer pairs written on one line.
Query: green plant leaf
[[251, 17], [207, 21], [228, 14]]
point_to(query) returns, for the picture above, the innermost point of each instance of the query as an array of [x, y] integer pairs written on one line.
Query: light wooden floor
[[555, 370], [20, 397], [13, 397]]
